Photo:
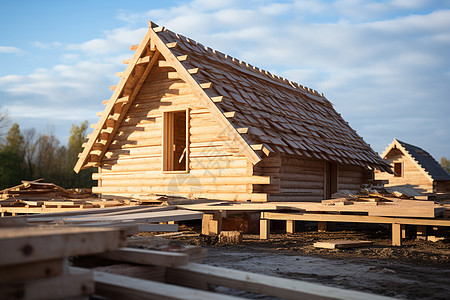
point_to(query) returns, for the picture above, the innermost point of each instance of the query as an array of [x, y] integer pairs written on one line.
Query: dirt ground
[[417, 270]]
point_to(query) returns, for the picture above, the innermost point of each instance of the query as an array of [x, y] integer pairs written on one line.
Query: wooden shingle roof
[[258, 107]]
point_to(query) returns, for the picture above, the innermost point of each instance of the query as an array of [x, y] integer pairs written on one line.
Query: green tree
[[445, 163], [12, 158], [75, 146], [4, 123]]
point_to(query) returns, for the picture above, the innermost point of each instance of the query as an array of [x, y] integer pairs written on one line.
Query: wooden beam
[[290, 226], [197, 275], [243, 130], [120, 74], [264, 229], [126, 61], [40, 269], [352, 218], [164, 64], [113, 87], [134, 47], [67, 286], [23, 245], [396, 234], [123, 287], [143, 60], [148, 257]]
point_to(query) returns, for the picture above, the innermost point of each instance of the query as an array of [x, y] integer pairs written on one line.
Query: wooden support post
[[421, 232], [215, 225], [205, 223], [403, 228], [212, 223], [290, 226], [264, 229], [322, 226], [396, 234]]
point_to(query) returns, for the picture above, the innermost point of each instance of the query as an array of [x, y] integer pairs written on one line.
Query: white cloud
[[46, 45], [116, 40], [9, 49]]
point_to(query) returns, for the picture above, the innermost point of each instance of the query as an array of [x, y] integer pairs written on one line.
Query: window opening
[[175, 141], [398, 169]]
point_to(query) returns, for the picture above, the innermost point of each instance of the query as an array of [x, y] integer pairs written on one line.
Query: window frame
[[398, 163], [164, 143]]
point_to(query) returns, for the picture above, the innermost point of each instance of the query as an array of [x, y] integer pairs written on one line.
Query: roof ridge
[[246, 66]]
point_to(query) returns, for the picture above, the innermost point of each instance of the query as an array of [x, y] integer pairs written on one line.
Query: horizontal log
[[133, 180], [193, 190], [301, 185]]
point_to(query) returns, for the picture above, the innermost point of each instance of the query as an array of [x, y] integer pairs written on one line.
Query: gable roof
[[422, 159], [258, 110]]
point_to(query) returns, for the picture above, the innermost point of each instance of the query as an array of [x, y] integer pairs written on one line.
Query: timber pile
[[36, 189], [42, 197], [35, 264], [135, 218]]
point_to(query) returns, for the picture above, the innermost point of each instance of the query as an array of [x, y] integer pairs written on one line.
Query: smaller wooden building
[[414, 166]]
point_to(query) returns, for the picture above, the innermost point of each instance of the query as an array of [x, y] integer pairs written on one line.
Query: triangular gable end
[[397, 145], [146, 55]]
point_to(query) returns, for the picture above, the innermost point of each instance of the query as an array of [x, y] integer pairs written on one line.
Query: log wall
[[132, 166], [411, 174], [300, 179], [350, 177]]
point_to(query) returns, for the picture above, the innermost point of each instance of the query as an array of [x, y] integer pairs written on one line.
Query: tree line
[[26, 155]]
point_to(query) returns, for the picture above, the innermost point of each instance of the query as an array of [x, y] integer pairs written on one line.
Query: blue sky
[[385, 65]]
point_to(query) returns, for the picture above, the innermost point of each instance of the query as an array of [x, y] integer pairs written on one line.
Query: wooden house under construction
[[416, 167], [186, 120]]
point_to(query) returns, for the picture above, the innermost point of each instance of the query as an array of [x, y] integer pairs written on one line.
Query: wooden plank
[[74, 284], [147, 217], [396, 234], [197, 275], [352, 218], [264, 229], [22, 245], [290, 226], [157, 227], [341, 244], [34, 270], [148, 257], [122, 287]]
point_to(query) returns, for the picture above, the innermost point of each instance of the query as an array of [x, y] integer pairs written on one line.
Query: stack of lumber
[[35, 264], [34, 260], [41, 197], [36, 189], [143, 218]]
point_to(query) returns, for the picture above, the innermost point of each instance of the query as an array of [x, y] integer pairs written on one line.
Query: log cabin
[[186, 120], [416, 167]]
